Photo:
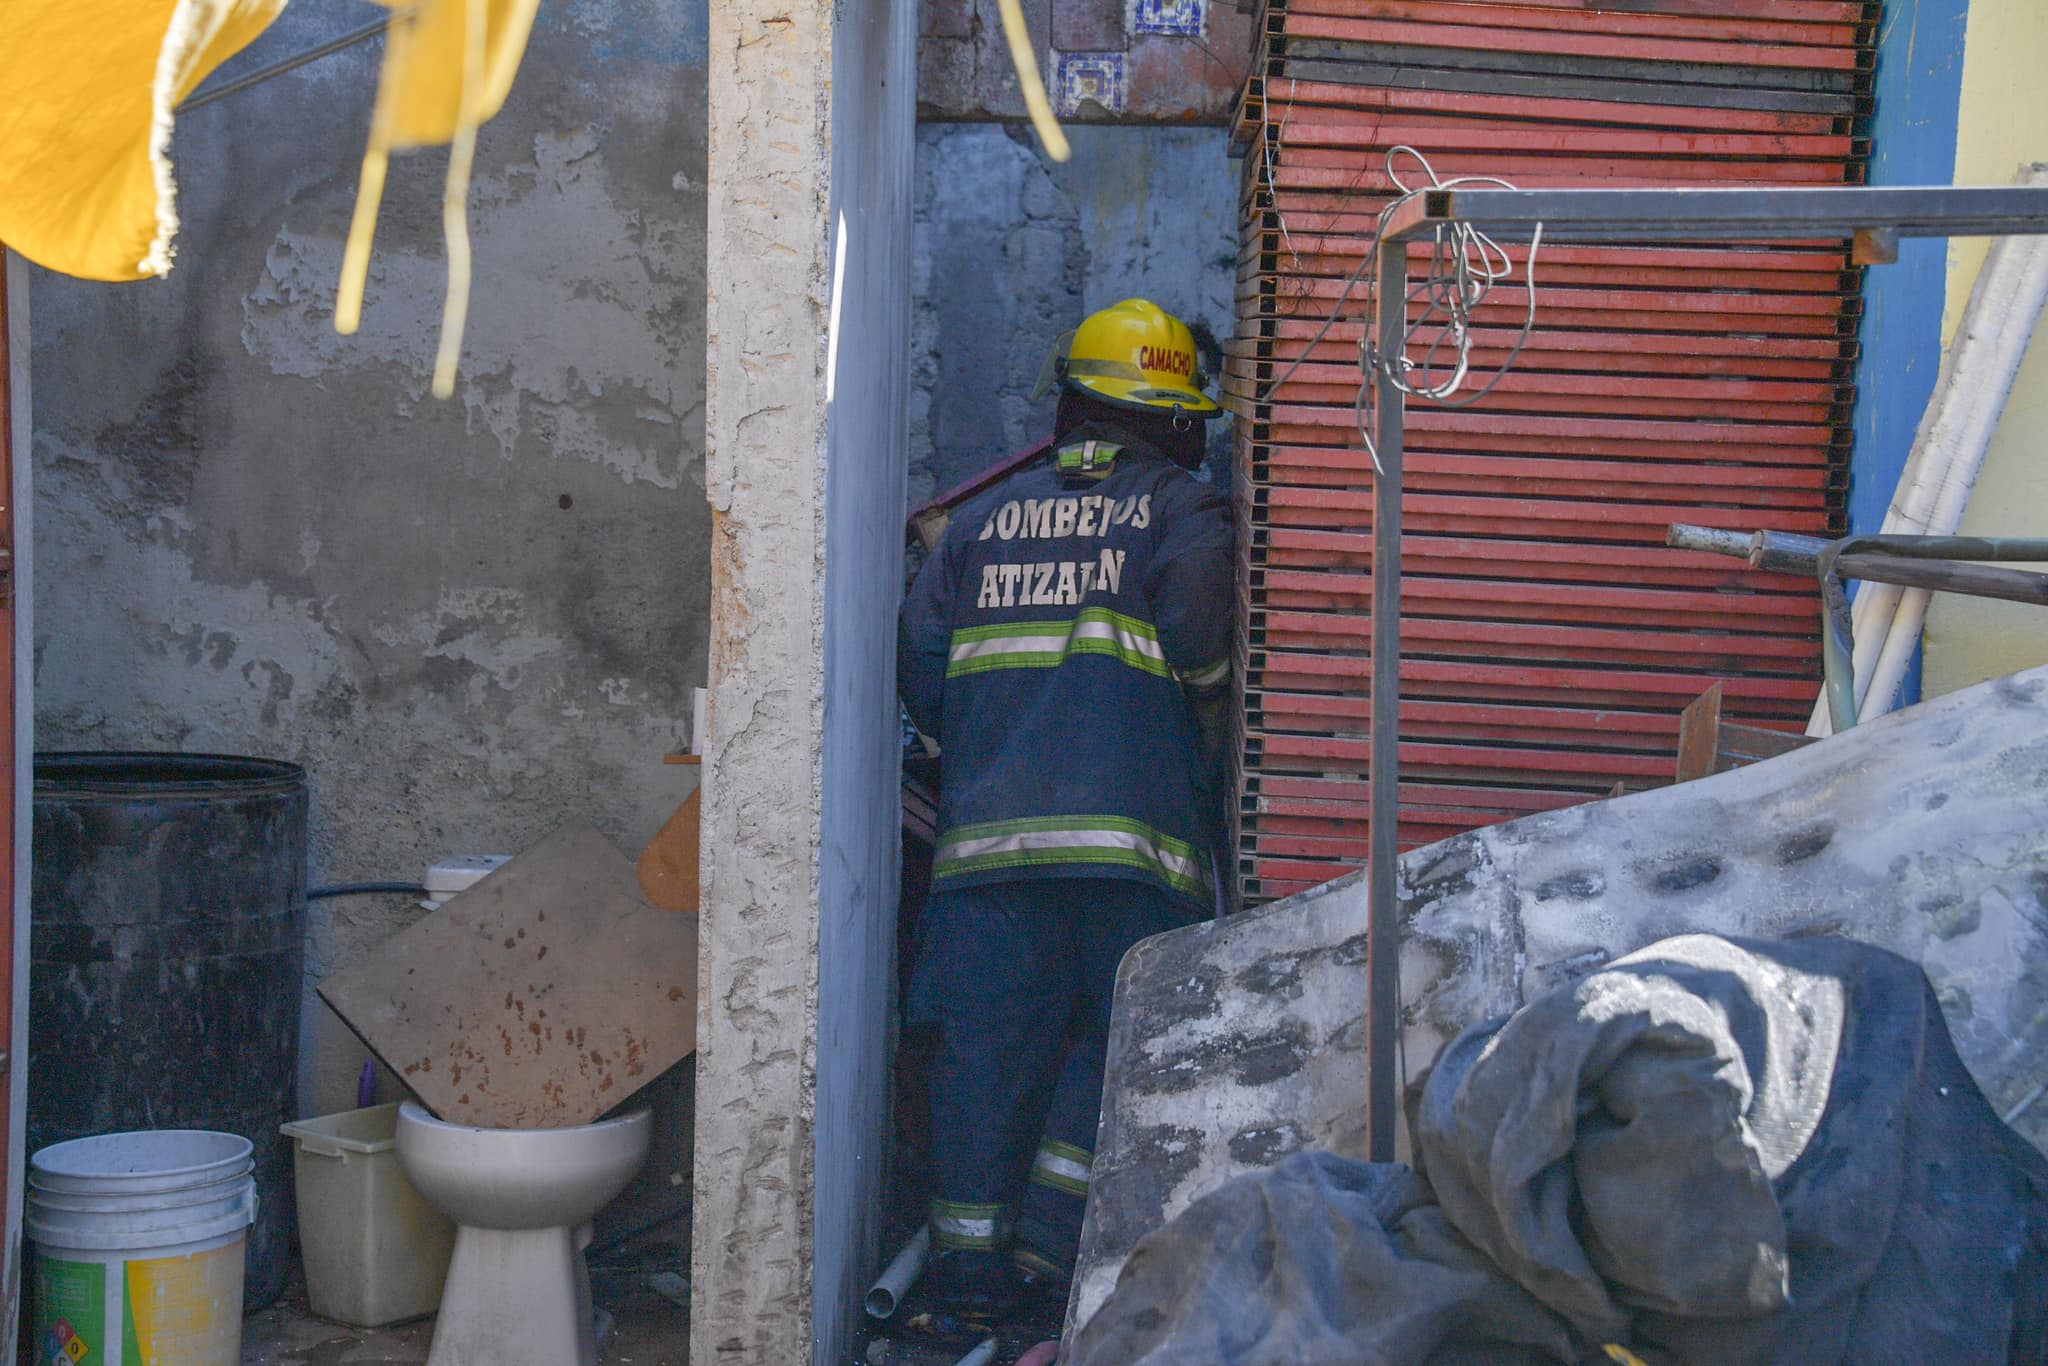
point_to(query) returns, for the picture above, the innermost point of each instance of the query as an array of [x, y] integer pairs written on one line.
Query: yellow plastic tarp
[[86, 94], [448, 66], [425, 57]]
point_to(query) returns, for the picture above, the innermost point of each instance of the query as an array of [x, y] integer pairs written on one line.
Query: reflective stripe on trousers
[[1072, 839], [958, 1225], [1045, 644], [1063, 1167]]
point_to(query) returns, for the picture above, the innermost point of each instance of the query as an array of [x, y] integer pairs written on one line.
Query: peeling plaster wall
[[1014, 249], [468, 619], [768, 245]]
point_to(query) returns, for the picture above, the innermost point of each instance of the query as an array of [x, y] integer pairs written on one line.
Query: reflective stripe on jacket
[[1052, 645]]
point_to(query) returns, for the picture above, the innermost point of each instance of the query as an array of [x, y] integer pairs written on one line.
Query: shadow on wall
[[1013, 250]]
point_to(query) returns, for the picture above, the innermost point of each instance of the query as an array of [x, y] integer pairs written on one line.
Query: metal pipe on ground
[[902, 1273]]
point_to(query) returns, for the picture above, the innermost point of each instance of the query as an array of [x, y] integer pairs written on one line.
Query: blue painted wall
[[1913, 132]]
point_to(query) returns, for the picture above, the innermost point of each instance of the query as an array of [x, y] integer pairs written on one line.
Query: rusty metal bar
[[1704, 214], [1785, 552], [1383, 942], [1839, 642]]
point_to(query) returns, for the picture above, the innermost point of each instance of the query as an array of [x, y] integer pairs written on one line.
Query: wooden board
[[1708, 745], [542, 997], [668, 865]]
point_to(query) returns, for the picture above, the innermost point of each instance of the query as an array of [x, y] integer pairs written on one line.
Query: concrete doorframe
[[811, 146]]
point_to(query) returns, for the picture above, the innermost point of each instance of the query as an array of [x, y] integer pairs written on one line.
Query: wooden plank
[[1396, 69], [1739, 390], [1593, 604], [1546, 337], [1289, 95], [1431, 135], [1479, 676], [1510, 561], [1675, 62], [668, 866], [1751, 28], [542, 997], [1741, 745], [1699, 731]]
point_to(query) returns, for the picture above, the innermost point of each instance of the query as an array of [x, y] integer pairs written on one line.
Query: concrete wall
[[1013, 250], [468, 619], [2002, 123]]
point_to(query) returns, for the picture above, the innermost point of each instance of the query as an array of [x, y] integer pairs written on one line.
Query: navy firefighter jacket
[[1056, 644]]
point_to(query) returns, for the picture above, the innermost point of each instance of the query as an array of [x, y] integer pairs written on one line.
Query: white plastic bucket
[[375, 1252], [139, 1248]]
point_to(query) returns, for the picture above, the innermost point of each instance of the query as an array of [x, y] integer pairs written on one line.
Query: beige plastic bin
[[375, 1252]]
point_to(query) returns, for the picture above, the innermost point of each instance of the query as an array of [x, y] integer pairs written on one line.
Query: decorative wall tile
[[1182, 17], [1089, 76]]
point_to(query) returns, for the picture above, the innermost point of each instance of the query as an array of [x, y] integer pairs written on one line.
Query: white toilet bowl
[[518, 1293]]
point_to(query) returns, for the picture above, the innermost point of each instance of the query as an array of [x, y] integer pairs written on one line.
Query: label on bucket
[[71, 1311], [176, 1311]]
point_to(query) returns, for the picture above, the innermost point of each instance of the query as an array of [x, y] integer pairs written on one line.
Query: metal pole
[[199, 99], [1699, 214], [1837, 643], [1787, 552], [1383, 941]]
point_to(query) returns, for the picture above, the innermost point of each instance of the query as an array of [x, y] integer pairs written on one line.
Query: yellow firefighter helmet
[[1135, 354]]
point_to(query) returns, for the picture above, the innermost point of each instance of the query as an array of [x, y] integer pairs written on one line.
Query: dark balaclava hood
[[1081, 417]]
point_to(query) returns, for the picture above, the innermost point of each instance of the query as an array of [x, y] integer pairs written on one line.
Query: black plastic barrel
[[168, 895]]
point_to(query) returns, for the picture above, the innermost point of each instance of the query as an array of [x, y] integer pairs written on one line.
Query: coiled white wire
[[1465, 265]]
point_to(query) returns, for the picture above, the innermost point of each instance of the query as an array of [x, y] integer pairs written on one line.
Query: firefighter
[[1068, 644]]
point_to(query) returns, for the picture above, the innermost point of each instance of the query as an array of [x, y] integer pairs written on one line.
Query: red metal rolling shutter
[[1549, 639]]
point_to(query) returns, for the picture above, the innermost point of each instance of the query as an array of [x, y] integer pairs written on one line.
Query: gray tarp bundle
[[1711, 1151]]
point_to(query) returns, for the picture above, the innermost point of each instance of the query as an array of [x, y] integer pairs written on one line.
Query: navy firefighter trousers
[[1018, 977]]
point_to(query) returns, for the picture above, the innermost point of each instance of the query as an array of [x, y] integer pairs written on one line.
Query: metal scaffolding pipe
[[1787, 552]]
